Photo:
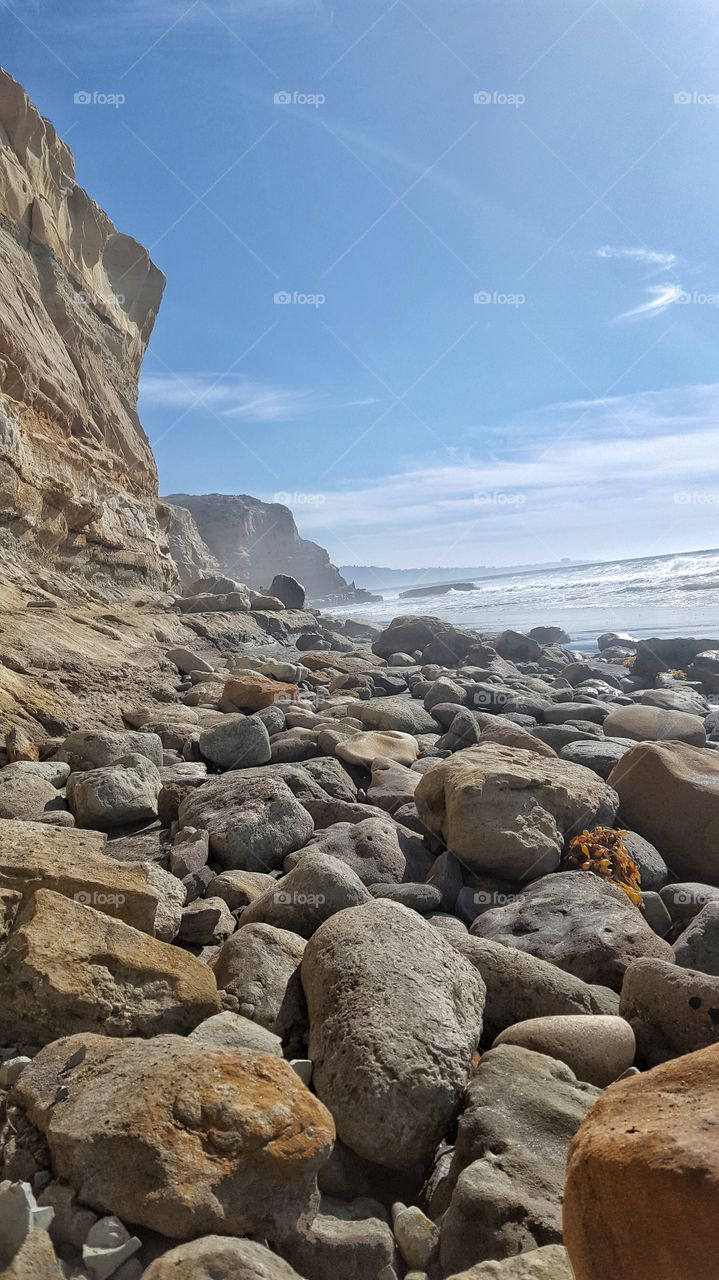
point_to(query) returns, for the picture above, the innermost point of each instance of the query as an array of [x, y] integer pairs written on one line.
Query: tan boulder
[[253, 691], [506, 812], [170, 1135], [655, 724], [365, 748], [549, 1263], [67, 968], [36, 856], [220, 1258], [669, 793], [642, 1191], [597, 1049]]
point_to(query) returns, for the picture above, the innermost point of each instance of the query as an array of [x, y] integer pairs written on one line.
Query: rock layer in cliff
[[78, 300]]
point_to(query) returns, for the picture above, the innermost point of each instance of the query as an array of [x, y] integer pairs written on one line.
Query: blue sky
[[454, 295]]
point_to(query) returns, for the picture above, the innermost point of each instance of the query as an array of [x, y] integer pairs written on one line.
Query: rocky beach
[[329, 949]]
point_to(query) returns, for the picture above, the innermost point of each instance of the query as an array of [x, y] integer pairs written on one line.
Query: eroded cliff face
[[254, 540], [78, 300]]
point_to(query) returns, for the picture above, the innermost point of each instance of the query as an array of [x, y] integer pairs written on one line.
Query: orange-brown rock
[[253, 692], [34, 855], [67, 968], [173, 1136], [642, 1193], [669, 793]]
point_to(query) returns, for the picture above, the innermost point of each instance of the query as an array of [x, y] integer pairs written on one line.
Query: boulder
[[316, 888], [507, 1174], [649, 1144], [240, 888], [392, 785], [655, 724], [253, 822], [288, 590], [378, 850], [34, 856], [438, 641], [395, 1016], [517, 647], [599, 755], [116, 795], [365, 748], [170, 1135], [666, 653], [521, 986], [671, 1009], [259, 966], [229, 1030], [206, 922], [67, 968], [25, 796], [236, 742], [551, 1262], [395, 712], [186, 661], [252, 692], [345, 1242], [597, 1049], [653, 870], [669, 793], [579, 922], [220, 1258], [87, 749], [507, 812], [698, 947]]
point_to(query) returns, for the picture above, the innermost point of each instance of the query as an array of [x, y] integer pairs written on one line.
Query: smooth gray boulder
[[315, 889], [521, 986], [579, 922], [507, 1175], [259, 965], [115, 796], [395, 1017], [97, 749], [236, 742], [253, 822], [377, 849]]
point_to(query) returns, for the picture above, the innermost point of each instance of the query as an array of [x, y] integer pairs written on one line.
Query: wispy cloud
[[643, 257], [232, 397], [661, 297], [614, 489]]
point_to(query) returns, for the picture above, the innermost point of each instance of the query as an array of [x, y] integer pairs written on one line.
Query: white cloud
[[617, 486], [661, 297], [238, 398], [643, 257]]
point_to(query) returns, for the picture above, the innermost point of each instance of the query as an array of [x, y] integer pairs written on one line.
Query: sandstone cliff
[[78, 300], [254, 540]]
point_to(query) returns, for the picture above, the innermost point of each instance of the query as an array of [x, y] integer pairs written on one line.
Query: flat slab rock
[[68, 968], [74, 863]]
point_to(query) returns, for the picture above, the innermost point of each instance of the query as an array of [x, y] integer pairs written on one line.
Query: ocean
[[669, 595]]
